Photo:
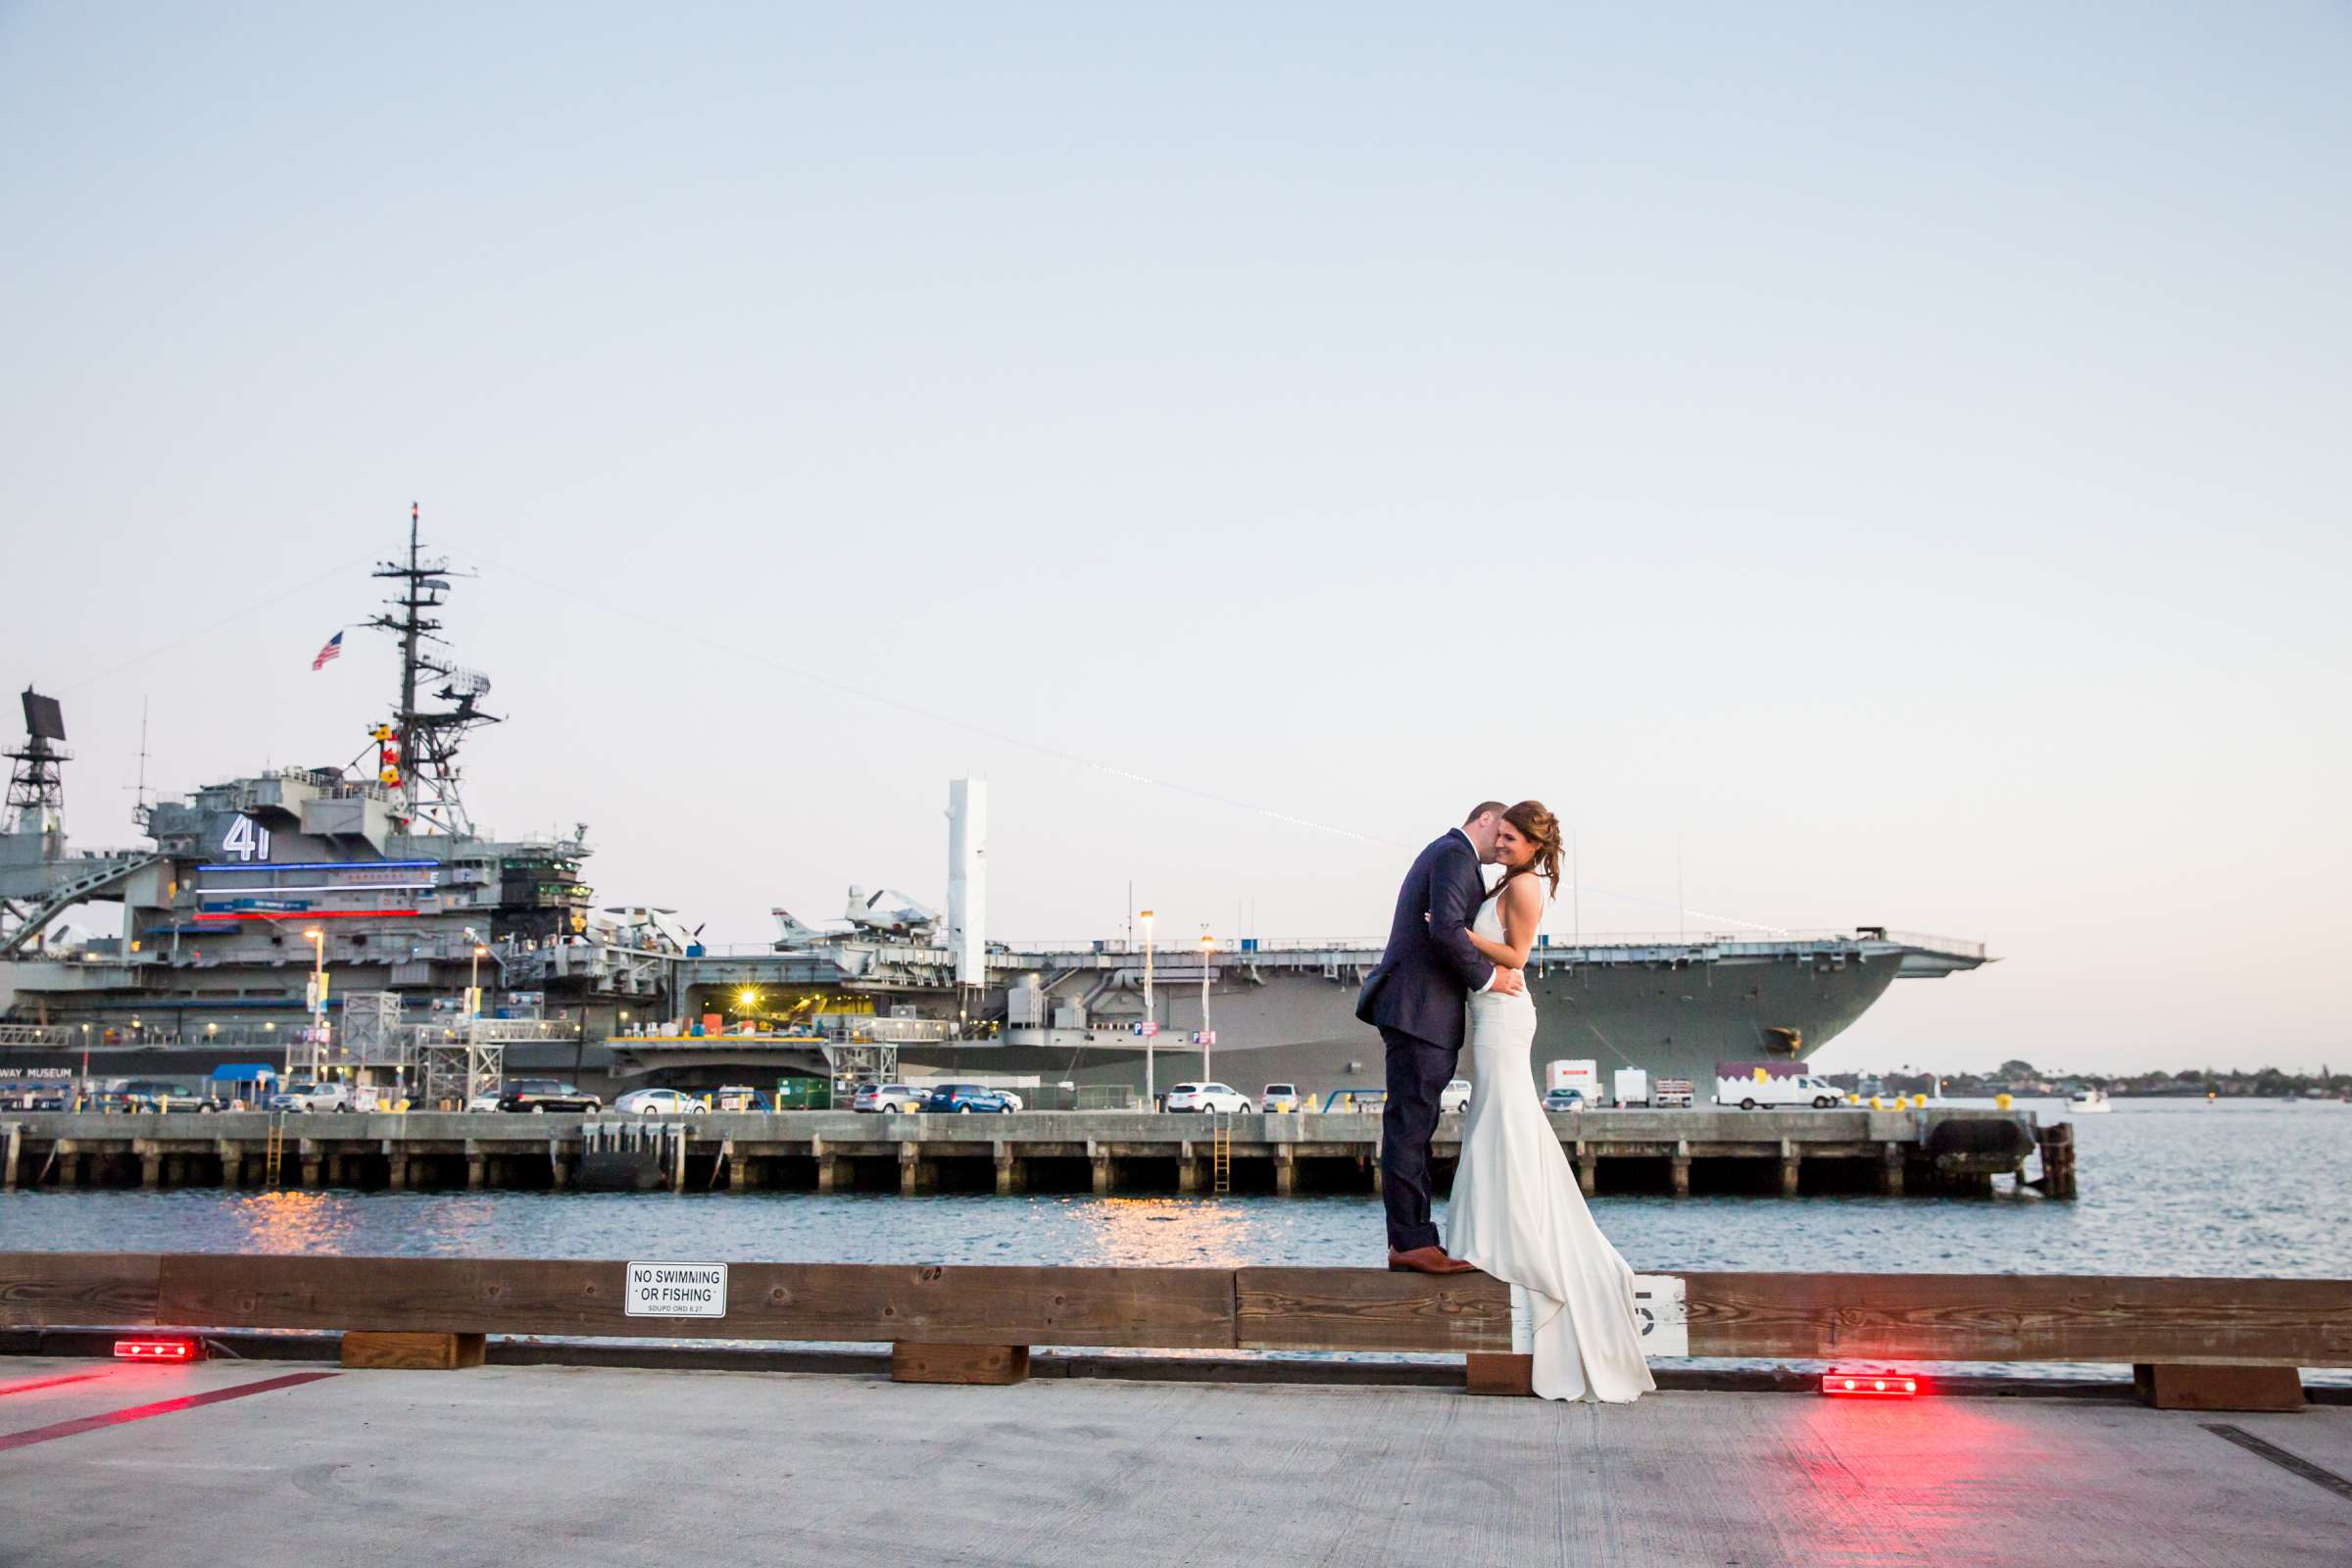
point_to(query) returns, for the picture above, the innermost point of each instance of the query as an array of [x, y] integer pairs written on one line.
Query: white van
[[1770, 1094]]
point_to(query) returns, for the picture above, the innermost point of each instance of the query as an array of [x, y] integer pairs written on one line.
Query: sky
[[1855, 463]]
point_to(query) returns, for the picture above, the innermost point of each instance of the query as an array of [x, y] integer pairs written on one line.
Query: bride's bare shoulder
[[1526, 893]]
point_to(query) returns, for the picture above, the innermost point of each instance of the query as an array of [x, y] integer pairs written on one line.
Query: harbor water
[[2167, 1187]]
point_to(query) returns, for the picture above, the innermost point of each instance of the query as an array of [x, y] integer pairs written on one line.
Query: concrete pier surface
[[526, 1465]]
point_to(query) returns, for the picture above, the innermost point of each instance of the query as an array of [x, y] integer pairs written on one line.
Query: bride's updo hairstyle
[[1538, 827]]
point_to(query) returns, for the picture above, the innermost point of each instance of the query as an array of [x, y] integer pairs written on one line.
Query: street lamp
[[1151, 1019], [1209, 1035], [318, 941]]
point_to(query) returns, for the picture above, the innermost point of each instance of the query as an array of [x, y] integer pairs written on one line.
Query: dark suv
[[546, 1094], [156, 1093]]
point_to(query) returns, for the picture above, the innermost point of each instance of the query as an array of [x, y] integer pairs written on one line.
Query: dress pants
[[1418, 1073]]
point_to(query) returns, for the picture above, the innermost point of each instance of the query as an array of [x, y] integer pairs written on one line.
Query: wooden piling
[[9, 1153], [2218, 1387], [969, 1364], [411, 1352]]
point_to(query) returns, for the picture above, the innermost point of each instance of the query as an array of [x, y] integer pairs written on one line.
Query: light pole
[[473, 976], [1150, 1021], [82, 1098], [1209, 1035], [318, 941]]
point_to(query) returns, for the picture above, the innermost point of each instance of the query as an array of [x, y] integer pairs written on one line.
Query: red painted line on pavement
[[48, 1382], [141, 1412]]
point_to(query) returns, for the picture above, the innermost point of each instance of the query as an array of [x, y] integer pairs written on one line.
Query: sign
[[1660, 1307], [247, 840], [677, 1289], [263, 906], [1146, 1027], [1204, 1036]]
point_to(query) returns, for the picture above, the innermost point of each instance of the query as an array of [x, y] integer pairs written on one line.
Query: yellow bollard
[[2002, 1101], [1920, 1102]]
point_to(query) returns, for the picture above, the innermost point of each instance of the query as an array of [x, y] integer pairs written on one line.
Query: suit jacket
[[1430, 968]]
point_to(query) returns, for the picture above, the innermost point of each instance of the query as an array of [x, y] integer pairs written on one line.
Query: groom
[[1416, 997]]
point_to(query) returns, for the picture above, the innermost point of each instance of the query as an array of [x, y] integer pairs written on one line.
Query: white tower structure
[[968, 879]]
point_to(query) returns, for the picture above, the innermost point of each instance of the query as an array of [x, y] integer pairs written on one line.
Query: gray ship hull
[[1673, 1021]]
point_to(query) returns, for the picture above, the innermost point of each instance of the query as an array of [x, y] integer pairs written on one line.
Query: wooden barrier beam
[[2157, 1322], [1163, 1309], [2021, 1317], [1369, 1309], [56, 1290]]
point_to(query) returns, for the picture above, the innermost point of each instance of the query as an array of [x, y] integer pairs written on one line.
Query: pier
[[1772, 1152], [372, 1409]]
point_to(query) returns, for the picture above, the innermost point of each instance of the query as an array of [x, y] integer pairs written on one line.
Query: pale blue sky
[[1895, 453]]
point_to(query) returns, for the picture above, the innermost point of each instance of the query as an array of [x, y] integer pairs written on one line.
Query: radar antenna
[[36, 787], [421, 769]]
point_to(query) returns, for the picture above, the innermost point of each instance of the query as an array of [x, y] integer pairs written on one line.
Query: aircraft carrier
[[442, 943]]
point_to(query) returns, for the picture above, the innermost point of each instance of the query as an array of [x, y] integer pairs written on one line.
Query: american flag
[[332, 650]]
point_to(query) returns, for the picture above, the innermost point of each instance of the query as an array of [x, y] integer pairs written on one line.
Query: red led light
[[1872, 1382], [157, 1351]]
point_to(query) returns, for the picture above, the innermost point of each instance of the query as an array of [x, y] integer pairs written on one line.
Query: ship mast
[[422, 765]]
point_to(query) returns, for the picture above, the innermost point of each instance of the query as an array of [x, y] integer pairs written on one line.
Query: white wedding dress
[[1516, 1212]]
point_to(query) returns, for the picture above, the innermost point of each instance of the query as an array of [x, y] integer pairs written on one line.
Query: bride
[[1516, 1211]]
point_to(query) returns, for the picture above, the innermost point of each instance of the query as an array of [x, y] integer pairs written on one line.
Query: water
[[2182, 1188]]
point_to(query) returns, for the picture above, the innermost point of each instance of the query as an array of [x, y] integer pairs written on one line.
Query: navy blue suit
[[1417, 997]]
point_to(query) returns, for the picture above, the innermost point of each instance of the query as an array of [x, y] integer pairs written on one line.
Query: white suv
[[1454, 1097], [312, 1097], [1209, 1097]]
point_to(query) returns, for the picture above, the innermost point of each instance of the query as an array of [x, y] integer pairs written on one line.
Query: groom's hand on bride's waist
[[1507, 982]]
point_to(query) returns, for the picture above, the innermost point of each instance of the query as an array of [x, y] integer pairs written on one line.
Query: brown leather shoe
[[1428, 1260]]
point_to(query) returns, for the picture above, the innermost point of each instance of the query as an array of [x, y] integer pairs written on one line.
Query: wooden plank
[[2178, 1322], [1369, 1309], [982, 1364], [2010, 1317], [413, 1353], [1509, 1375], [42, 1289], [2219, 1388], [1162, 1309]]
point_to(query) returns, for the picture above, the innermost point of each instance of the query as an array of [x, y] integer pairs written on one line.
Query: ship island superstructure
[[440, 938]]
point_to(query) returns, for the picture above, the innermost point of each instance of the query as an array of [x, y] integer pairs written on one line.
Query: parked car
[[657, 1102], [155, 1093], [487, 1099], [963, 1098], [1671, 1093], [1014, 1099], [1456, 1096], [32, 1097], [1203, 1097], [541, 1095], [1281, 1098], [887, 1098], [1564, 1100], [307, 1096]]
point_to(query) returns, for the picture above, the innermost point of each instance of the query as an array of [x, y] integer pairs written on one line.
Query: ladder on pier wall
[[274, 1151], [1220, 1152]]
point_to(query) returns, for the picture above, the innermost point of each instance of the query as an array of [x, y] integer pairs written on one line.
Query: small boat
[[2089, 1102]]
